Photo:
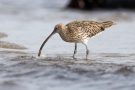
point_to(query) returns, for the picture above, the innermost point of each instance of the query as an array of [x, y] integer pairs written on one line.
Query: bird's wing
[[89, 27]]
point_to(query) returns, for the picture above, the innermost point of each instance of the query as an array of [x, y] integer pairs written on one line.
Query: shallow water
[[20, 70], [110, 65]]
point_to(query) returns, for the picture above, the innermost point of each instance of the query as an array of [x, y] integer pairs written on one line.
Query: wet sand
[[8, 45], [21, 70], [2, 35]]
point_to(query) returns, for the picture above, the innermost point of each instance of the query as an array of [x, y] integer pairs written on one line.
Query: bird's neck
[[63, 34]]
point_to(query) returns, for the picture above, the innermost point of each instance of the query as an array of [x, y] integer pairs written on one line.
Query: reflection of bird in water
[[78, 32]]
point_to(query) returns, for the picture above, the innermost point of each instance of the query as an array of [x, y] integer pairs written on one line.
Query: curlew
[[78, 32]]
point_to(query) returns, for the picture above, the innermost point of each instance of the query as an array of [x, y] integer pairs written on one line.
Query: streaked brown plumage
[[78, 32]]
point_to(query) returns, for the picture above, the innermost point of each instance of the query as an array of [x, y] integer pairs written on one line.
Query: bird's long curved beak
[[41, 47]]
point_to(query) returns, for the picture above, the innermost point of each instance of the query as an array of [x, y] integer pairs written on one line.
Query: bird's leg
[[87, 53], [75, 50], [87, 50]]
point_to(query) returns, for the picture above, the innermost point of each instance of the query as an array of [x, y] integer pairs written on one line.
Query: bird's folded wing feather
[[89, 27]]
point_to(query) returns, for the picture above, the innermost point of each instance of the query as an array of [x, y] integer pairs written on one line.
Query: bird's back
[[87, 28], [78, 31]]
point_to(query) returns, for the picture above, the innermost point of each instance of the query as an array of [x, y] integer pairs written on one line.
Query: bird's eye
[[55, 28]]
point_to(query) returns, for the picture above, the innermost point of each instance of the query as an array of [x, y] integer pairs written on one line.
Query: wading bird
[[78, 32]]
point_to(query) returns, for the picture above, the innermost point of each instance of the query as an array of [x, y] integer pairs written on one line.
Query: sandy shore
[[8, 45], [3, 35], [19, 69]]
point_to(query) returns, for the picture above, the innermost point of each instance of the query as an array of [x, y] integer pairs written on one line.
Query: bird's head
[[59, 27]]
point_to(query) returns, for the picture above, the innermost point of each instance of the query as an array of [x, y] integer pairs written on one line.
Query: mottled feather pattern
[[107, 24], [79, 30]]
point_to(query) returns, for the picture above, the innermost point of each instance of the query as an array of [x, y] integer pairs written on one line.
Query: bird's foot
[[74, 57], [86, 58], [87, 54]]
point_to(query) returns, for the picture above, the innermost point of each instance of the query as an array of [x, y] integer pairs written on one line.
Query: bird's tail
[[107, 24]]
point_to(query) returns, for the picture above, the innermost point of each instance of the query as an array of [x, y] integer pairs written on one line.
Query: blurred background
[[24, 24], [29, 22], [106, 4]]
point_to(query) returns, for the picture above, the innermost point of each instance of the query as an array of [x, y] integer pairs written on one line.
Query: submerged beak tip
[[39, 53]]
